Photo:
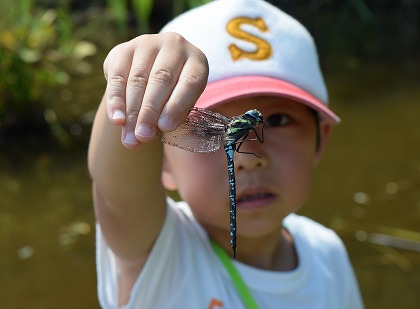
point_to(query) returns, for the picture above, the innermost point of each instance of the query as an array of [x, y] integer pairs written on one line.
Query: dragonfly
[[205, 131]]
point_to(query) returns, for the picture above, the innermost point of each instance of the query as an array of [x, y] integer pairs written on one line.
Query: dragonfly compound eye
[[256, 115]]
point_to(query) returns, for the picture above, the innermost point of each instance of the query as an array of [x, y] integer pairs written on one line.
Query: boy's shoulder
[[306, 224], [314, 235]]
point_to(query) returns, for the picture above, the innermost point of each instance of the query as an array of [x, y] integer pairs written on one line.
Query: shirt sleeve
[[346, 280], [107, 273], [353, 293], [330, 257], [107, 270], [178, 234]]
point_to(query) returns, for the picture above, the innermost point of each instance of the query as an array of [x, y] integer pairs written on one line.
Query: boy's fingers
[[152, 81], [116, 69], [162, 79], [190, 85], [128, 138], [136, 87]]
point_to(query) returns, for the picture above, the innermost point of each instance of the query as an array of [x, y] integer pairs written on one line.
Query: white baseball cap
[[253, 48]]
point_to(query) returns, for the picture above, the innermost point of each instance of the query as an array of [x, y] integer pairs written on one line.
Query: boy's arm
[[149, 79], [129, 199]]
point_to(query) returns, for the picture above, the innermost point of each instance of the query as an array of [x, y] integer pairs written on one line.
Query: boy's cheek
[[193, 170]]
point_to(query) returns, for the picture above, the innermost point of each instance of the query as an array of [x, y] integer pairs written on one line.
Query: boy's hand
[[152, 83]]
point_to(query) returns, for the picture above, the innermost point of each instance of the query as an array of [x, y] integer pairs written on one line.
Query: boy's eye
[[277, 120]]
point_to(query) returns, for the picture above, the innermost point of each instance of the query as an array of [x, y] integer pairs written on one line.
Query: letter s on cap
[[263, 50]]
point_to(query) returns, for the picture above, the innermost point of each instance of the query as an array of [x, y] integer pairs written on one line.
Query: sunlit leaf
[[30, 55], [49, 17], [84, 49]]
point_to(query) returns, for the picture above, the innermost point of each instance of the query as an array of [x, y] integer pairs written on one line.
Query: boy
[[153, 252]]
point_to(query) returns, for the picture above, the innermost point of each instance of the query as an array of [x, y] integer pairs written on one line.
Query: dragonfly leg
[[259, 138], [239, 144]]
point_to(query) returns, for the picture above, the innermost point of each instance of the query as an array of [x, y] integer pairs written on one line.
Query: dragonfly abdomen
[[230, 150]]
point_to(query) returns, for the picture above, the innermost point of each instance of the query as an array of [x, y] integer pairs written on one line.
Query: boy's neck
[[267, 252], [277, 254]]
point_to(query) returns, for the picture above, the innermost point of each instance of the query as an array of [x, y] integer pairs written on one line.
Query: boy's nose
[[250, 158]]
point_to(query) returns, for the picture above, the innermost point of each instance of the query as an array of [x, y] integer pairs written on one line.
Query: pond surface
[[367, 189]]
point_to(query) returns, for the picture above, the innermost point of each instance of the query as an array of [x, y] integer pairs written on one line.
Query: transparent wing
[[202, 131]]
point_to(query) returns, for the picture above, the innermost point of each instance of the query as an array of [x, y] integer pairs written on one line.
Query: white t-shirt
[[183, 271]]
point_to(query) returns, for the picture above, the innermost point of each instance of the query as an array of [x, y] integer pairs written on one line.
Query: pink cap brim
[[224, 90]]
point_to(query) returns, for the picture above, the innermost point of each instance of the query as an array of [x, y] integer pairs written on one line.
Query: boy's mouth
[[254, 200]]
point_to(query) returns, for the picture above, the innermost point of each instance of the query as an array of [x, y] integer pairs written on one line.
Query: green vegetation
[[43, 47], [141, 12], [38, 52], [141, 8]]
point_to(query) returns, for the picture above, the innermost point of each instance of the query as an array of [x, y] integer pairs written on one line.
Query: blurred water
[[46, 237], [367, 188]]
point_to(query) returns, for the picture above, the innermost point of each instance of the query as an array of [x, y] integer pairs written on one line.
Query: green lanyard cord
[[240, 285]]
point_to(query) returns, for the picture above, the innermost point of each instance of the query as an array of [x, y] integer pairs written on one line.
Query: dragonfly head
[[255, 115]]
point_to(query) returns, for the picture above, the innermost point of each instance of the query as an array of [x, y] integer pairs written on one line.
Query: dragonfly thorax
[[239, 126]]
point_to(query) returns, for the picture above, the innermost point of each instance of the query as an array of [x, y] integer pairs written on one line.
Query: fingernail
[[118, 114], [166, 123], [143, 130], [130, 138]]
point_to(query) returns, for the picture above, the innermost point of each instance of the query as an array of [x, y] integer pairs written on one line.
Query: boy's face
[[267, 188]]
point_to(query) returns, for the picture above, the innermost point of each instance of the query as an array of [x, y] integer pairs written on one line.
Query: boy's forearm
[[129, 195], [114, 166]]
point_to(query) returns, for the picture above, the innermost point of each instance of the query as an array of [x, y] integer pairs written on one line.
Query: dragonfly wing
[[202, 131], [208, 116]]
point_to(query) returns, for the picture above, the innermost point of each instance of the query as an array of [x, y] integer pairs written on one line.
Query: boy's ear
[[324, 134], [167, 177]]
